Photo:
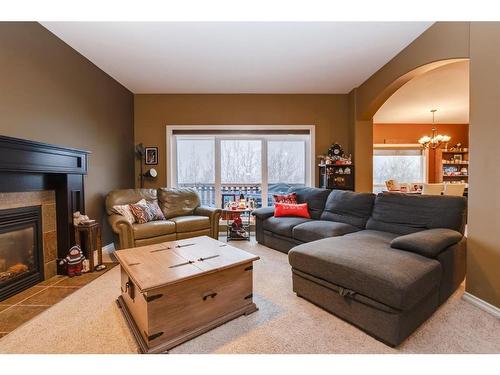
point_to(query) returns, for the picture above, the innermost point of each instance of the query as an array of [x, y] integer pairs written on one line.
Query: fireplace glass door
[[20, 250], [17, 254]]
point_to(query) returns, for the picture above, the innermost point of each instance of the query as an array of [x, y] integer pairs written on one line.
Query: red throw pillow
[[297, 210], [285, 198]]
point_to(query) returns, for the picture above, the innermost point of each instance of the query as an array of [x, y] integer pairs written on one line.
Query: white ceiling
[[238, 57], [445, 88]]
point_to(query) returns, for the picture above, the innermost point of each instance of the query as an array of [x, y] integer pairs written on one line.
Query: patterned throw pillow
[[144, 211], [155, 211], [125, 211], [285, 198]]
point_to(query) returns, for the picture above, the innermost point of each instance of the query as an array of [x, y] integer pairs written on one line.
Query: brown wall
[[483, 262], [410, 133], [329, 113], [442, 41], [51, 93]]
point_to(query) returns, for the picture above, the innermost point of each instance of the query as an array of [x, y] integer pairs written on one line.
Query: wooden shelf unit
[[444, 165], [330, 178]]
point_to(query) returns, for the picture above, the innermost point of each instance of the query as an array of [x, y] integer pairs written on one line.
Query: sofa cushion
[[348, 207], [153, 229], [409, 213], [365, 263], [191, 223], [314, 197], [282, 225], [318, 229], [429, 243], [178, 201]]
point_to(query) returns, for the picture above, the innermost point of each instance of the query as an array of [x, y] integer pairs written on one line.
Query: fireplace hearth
[[21, 249]]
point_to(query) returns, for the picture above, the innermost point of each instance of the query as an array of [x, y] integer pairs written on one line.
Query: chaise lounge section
[[390, 276]]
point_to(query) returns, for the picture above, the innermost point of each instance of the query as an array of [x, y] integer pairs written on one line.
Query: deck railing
[[233, 191]]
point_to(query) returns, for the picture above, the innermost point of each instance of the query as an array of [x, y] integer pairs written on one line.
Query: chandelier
[[435, 140]]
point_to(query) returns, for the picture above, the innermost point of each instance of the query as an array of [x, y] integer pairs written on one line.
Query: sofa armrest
[[429, 243], [123, 229], [263, 213], [214, 215], [211, 212]]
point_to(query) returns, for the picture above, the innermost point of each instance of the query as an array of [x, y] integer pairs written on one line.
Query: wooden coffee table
[[174, 291]]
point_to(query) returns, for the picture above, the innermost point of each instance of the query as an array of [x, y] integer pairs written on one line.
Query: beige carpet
[[89, 321]]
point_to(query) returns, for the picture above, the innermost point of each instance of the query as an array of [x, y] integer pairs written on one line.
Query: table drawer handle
[[212, 295]]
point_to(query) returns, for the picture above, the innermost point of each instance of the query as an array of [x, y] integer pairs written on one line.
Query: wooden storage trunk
[[174, 291]]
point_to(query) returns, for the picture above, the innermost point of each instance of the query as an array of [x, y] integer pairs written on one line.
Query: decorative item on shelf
[[335, 155], [333, 171], [340, 181], [456, 148], [242, 203], [435, 140], [335, 151], [80, 219]]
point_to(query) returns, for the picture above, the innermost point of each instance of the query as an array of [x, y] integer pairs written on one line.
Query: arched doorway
[[366, 106], [406, 117]]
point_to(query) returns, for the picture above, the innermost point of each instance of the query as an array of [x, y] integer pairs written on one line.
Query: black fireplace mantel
[[19, 155], [30, 166]]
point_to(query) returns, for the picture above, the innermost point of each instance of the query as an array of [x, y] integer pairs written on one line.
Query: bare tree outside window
[[286, 162], [196, 161], [241, 162]]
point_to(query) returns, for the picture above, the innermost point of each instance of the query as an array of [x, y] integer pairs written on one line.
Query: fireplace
[[41, 186], [21, 249]]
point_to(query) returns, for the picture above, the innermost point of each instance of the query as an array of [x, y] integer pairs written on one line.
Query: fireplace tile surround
[[47, 200]]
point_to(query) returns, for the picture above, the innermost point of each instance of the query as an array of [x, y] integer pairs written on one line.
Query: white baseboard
[[483, 305], [109, 248]]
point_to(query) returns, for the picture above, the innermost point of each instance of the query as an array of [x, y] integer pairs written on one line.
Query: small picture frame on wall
[[151, 155], [457, 157]]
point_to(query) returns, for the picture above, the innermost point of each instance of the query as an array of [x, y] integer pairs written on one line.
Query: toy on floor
[[74, 261]]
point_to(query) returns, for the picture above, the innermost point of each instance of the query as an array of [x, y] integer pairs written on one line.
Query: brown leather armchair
[[185, 217]]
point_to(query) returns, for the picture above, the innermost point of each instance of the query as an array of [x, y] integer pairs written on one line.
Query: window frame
[[399, 147], [171, 165]]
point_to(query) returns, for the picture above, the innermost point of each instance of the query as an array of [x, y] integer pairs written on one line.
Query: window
[[221, 165], [195, 166], [241, 161], [403, 163], [286, 162], [195, 161]]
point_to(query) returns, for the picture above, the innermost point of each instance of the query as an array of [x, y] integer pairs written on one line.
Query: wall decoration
[[151, 156]]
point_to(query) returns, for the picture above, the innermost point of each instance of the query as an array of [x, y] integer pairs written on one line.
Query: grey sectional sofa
[[384, 263]]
